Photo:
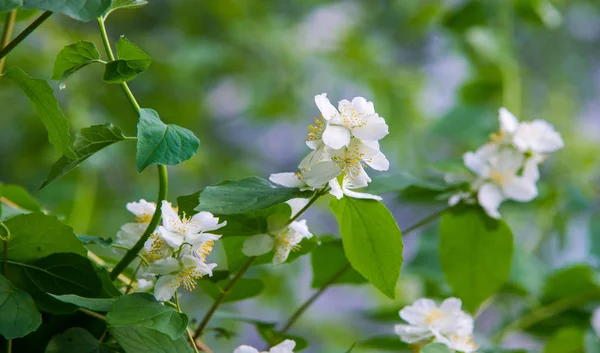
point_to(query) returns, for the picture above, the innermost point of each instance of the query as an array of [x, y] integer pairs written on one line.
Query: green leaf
[[8, 5], [372, 241], [273, 337], [109, 290], [60, 273], [76, 340], [20, 197], [327, 259], [88, 239], [566, 340], [36, 235], [476, 253], [144, 340], [244, 288], [245, 195], [570, 281], [142, 310], [44, 102], [400, 181], [82, 10], [385, 343], [436, 348], [159, 143], [95, 304], [131, 61], [73, 58], [592, 342], [527, 272], [89, 141], [19, 314], [124, 4]]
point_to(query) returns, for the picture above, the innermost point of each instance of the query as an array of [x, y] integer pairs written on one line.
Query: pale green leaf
[[372, 241], [159, 143], [124, 4], [19, 314], [44, 102]]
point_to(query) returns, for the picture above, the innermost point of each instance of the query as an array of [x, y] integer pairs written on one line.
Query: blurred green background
[[242, 76]]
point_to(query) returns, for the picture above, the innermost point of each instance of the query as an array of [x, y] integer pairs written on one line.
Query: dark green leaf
[[327, 260], [82, 10], [60, 273], [89, 141], [45, 104], [108, 287], [76, 340], [8, 5], [145, 340], [37, 235], [372, 241], [476, 254], [566, 340], [245, 195], [88, 239], [124, 4], [95, 304], [142, 310], [436, 348], [72, 58], [244, 288], [131, 61], [159, 143], [17, 195], [19, 314]]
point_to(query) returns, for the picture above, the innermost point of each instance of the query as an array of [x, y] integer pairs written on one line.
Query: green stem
[[5, 252], [221, 297], [130, 285], [315, 197], [296, 315], [142, 259], [92, 314], [9, 346], [133, 252], [26, 32], [187, 329], [7, 34]]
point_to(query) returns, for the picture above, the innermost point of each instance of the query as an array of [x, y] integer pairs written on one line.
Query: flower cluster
[[286, 346], [343, 141], [507, 166], [176, 252], [447, 323]]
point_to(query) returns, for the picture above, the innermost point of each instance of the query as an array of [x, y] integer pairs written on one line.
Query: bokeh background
[[242, 76]]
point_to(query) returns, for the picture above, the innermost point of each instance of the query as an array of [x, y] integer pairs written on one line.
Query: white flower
[[461, 343], [537, 137], [143, 210], [425, 320], [174, 273], [356, 118], [498, 170], [130, 233], [175, 231], [596, 321], [286, 346], [339, 191], [288, 240]]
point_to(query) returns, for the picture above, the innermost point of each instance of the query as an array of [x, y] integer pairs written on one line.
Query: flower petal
[[336, 136], [286, 346], [246, 349], [164, 266], [336, 189], [321, 173], [520, 189], [171, 220], [378, 162], [289, 180], [174, 239], [165, 288], [362, 106], [373, 128], [508, 122], [412, 334], [490, 197], [327, 109]]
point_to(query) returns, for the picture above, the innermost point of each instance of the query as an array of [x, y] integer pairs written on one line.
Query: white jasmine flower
[[175, 231], [356, 118], [537, 137], [174, 273], [345, 188], [498, 170], [596, 321], [425, 320], [143, 210], [461, 343], [288, 240], [130, 233], [286, 346], [156, 248], [297, 204]]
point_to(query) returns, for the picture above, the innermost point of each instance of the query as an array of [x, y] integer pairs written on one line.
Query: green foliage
[[137, 339], [385, 343], [592, 342], [159, 143], [403, 181], [268, 331], [7, 5], [141, 310], [45, 104], [244, 288], [82, 10], [36, 235], [89, 141], [566, 340], [73, 58], [527, 273], [77, 340], [124, 4], [570, 281], [87, 239], [95, 304], [244, 195], [476, 253], [131, 62], [372, 241], [436, 348], [327, 259], [20, 197], [19, 314]]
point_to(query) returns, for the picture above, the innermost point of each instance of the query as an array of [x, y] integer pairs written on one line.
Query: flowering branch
[[26, 32]]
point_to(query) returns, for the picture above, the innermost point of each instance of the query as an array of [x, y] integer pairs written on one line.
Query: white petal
[[164, 266], [258, 244], [374, 128], [130, 233], [327, 109], [171, 219], [321, 173], [142, 208], [454, 199], [297, 204], [314, 157], [174, 239], [378, 162], [362, 106], [204, 221], [301, 228], [531, 170], [490, 197], [507, 161], [289, 180], [144, 285], [520, 189], [286, 346], [246, 349], [508, 122], [198, 239], [336, 136], [281, 254], [165, 288], [336, 189], [357, 177], [412, 334], [361, 195], [451, 305], [416, 313]]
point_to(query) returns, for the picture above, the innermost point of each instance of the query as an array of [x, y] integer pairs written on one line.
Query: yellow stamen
[[434, 315], [315, 131], [205, 249]]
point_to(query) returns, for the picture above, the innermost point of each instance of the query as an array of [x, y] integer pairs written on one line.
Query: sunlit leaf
[[124, 4], [18, 196]]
